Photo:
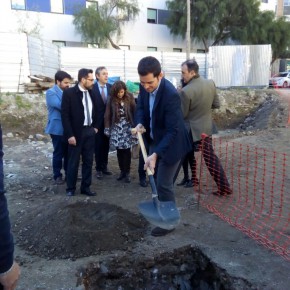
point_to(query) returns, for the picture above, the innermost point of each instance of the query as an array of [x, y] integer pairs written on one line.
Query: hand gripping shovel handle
[[149, 172]]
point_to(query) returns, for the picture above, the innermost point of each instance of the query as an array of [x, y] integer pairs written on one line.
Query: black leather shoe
[[70, 193], [99, 174], [107, 172], [183, 182], [191, 183], [127, 178], [143, 183], [88, 193], [121, 176], [159, 232]]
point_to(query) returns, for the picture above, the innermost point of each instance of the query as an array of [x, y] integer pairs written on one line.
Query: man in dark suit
[[102, 91], [159, 112], [198, 98], [79, 119], [9, 270]]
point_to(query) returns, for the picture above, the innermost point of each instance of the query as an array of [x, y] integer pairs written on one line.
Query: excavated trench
[[186, 268]]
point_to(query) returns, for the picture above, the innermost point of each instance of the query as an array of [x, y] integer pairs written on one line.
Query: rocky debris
[[247, 109], [270, 113]]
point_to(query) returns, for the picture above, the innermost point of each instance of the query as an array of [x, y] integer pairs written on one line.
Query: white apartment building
[[268, 5], [52, 21]]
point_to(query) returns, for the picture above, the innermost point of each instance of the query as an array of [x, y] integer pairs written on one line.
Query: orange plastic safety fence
[[260, 184]]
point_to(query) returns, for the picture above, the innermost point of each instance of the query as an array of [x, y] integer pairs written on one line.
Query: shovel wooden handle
[[143, 150], [142, 146]]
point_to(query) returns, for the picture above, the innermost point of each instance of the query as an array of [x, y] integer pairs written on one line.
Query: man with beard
[[54, 125], [79, 119]]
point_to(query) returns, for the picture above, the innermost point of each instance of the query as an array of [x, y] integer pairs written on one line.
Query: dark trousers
[[189, 160], [124, 160], [85, 148], [102, 146], [165, 175], [59, 155], [213, 164]]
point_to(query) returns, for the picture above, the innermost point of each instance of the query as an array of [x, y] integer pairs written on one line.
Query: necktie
[[87, 109], [103, 94]]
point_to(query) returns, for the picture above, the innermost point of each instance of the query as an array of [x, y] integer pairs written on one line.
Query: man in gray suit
[[198, 98]]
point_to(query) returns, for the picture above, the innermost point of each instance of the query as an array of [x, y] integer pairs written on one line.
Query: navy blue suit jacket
[[6, 239], [170, 136]]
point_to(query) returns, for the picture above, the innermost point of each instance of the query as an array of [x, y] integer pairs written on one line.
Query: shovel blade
[[163, 214]]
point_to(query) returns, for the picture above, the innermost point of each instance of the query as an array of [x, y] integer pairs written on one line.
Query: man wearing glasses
[[79, 119]]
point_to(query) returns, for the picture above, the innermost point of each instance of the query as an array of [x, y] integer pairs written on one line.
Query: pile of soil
[[79, 229]]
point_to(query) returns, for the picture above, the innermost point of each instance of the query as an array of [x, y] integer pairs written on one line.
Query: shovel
[[163, 214]]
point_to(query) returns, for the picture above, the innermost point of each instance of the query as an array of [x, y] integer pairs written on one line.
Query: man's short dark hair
[[191, 65], [61, 75], [83, 73], [99, 69], [149, 64]]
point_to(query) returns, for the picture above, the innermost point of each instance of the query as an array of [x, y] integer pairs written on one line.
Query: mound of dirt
[[62, 230]]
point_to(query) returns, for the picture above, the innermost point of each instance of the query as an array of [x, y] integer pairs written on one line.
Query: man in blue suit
[[54, 125], [159, 112]]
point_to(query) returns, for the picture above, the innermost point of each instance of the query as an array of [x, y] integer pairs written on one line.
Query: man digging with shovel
[[159, 115]]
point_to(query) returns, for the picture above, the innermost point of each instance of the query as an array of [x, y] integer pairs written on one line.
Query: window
[[151, 15], [163, 15], [177, 49], [18, 4], [200, 51], [151, 48], [264, 1], [59, 43], [124, 47], [93, 45], [286, 2], [93, 3], [56, 6]]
